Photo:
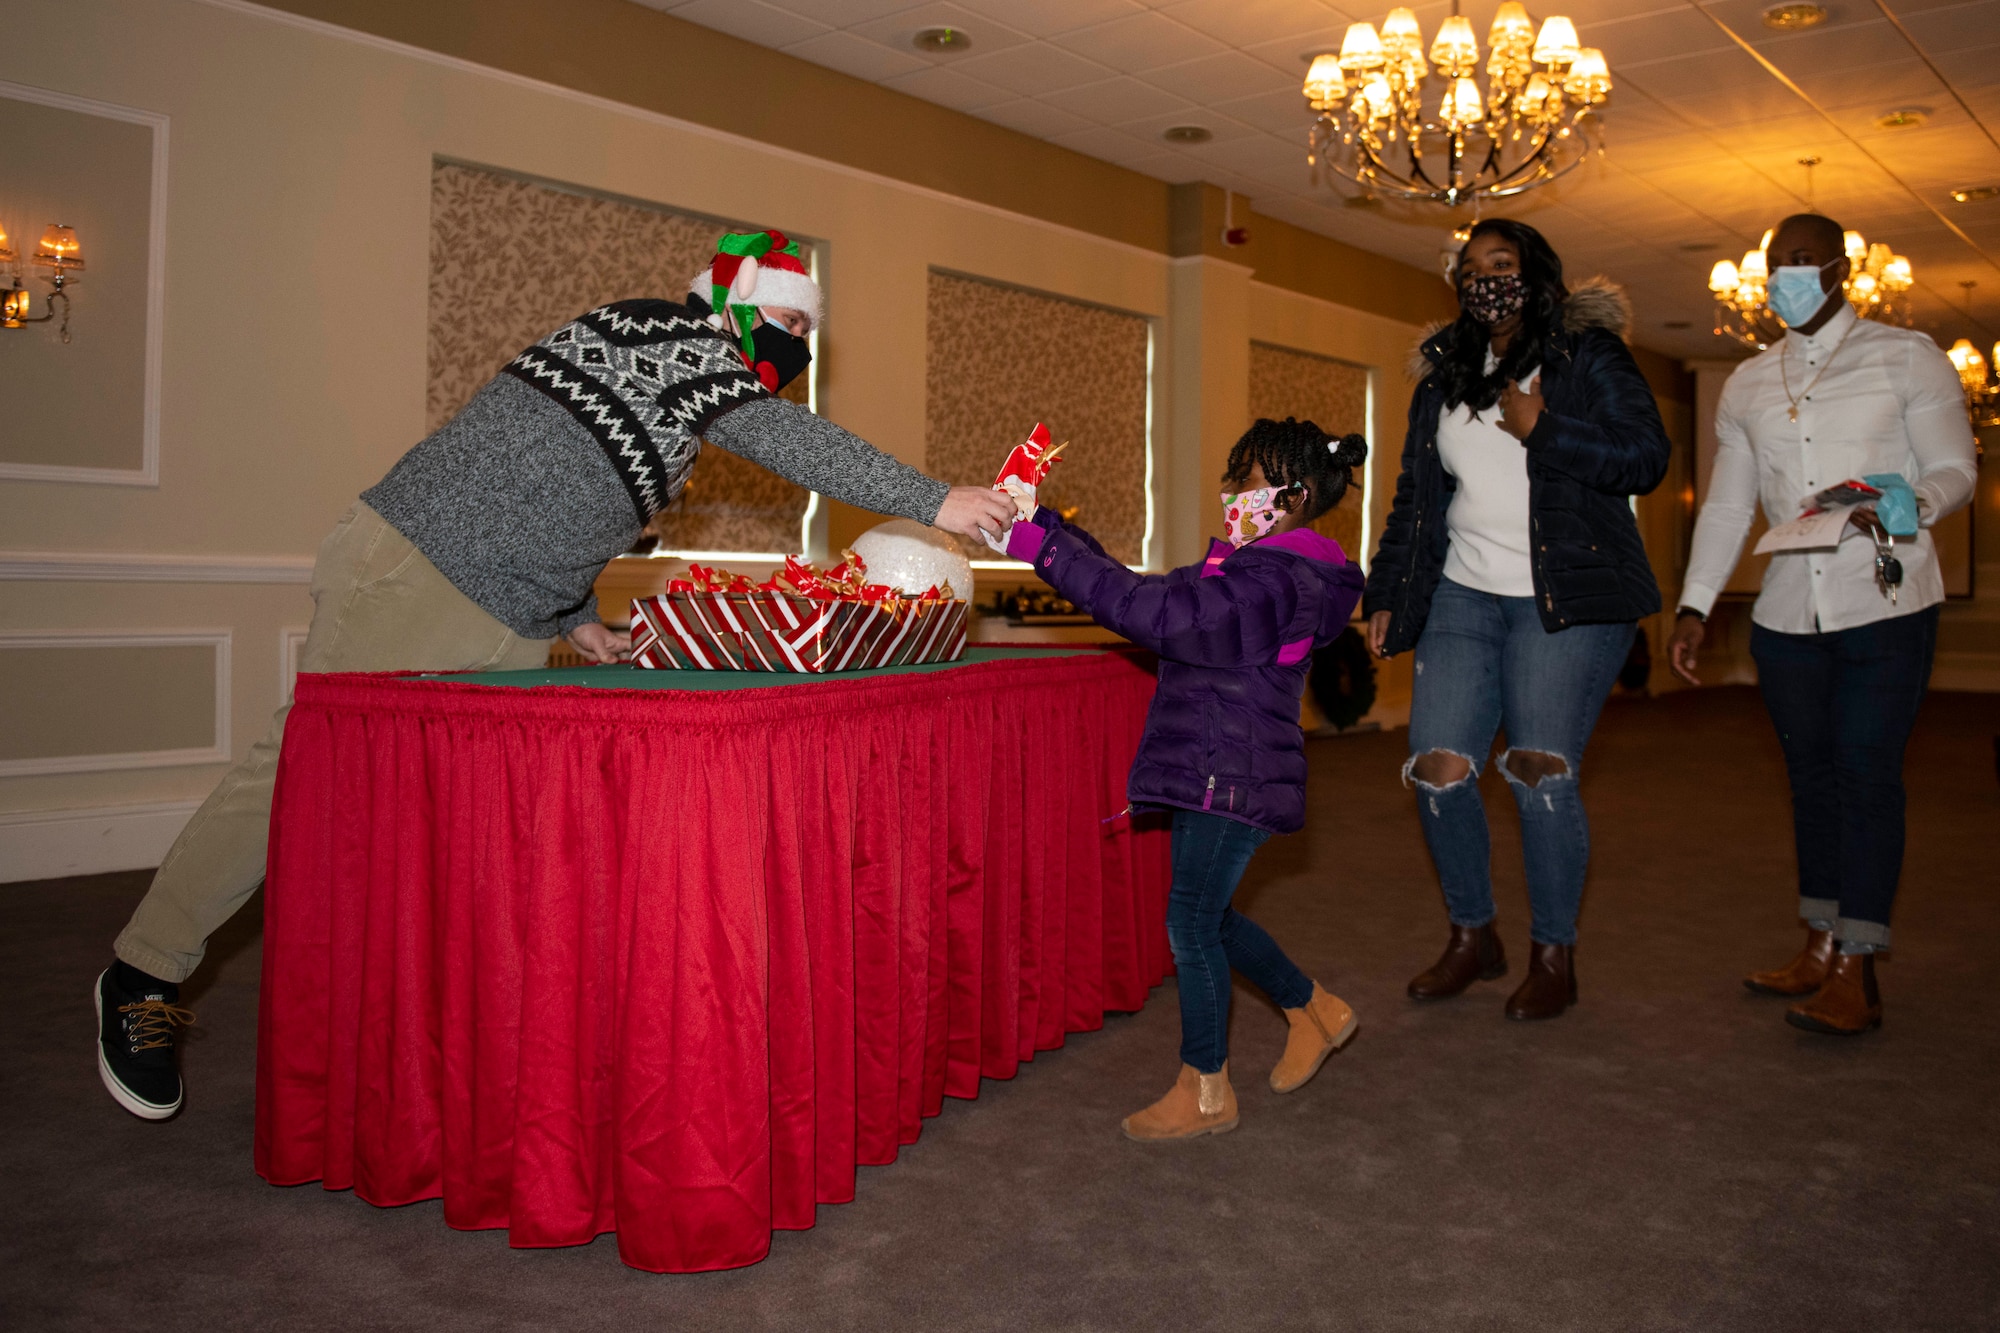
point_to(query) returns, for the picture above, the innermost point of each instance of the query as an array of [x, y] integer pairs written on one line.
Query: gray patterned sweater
[[558, 463]]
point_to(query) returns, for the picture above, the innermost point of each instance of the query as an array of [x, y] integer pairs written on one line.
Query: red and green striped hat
[[753, 269]]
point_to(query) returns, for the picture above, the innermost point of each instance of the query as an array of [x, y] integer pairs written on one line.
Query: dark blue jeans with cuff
[[1210, 937], [1484, 662], [1844, 705]]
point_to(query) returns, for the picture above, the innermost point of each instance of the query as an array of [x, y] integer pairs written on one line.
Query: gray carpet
[[1668, 1156]]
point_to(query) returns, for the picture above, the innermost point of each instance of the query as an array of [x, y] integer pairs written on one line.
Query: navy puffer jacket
[[1599, 442], [1235, 636]]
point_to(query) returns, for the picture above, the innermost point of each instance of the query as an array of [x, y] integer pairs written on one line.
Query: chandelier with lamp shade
[[1383, 124]]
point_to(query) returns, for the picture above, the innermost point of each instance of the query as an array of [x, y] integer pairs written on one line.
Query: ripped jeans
[[1484, 662]]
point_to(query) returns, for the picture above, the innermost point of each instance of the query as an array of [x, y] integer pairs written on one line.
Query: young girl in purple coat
[[1222, 748]]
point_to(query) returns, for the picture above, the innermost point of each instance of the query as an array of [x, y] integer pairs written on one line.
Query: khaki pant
[[378, 605]]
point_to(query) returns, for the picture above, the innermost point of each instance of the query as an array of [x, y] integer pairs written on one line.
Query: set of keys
[[1888, 569]]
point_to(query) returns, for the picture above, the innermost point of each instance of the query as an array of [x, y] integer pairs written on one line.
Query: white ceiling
[[1701, 144]]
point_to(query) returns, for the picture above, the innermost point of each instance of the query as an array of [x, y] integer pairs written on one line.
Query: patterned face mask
[[1248, 515], [1492, 298]]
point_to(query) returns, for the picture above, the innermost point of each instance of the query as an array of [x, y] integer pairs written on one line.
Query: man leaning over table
[[481, 545], [1841, 664]]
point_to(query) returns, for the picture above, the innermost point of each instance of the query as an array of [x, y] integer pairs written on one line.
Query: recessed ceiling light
[[1699, 247], [1903, 118], [1792, 18], [1187, 134], [942, 41], [1973, 194]]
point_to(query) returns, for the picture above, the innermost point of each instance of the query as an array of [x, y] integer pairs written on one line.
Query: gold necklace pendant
[[1793, 411]]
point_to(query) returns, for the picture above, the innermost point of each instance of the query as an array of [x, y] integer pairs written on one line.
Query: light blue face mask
[[1794, 292]]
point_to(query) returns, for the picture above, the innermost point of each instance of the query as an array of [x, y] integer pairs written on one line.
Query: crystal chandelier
[[1379, 128], [1982, 394], [1876, 286]]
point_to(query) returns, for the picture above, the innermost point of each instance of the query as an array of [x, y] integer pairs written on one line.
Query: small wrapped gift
[[801, 619]]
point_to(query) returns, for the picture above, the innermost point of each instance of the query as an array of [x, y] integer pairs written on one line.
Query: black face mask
[[778, 356], [1492, 298]]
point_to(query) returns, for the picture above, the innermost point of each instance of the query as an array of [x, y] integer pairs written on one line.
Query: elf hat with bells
[[753, 269]]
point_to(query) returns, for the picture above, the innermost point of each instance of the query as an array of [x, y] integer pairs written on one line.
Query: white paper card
[[1818, 531]]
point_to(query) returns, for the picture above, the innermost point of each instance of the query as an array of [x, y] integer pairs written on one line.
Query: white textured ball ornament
[[907, 556]]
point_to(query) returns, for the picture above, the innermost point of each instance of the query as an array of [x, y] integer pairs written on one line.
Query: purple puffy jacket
[[1235, 636]]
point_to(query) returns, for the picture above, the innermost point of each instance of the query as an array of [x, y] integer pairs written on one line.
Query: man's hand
[[1520, 411], [973, 511], [1863, 517], [1685, 646], [600, 644], [1378, 631]]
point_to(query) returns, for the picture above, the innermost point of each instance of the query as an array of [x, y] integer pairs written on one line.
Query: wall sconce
[[62, 255]]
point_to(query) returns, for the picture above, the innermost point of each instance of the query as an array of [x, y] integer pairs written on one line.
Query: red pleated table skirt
[[672, 962]]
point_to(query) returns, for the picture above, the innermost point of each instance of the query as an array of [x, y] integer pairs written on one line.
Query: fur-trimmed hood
[[1594, 303]]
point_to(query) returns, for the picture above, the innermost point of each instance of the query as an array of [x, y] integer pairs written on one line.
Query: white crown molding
[[216, 752], [148, 471], [606, 104], [95, 840], [122, 567]]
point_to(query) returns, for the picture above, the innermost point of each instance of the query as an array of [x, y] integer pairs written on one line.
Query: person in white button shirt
[[1842, 665]]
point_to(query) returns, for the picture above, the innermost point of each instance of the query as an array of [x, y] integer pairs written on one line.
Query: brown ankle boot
[[1472, 954], [1801, 976], [1198, 1103], [1321, 1026], [1847, 1004], [1550, 986]]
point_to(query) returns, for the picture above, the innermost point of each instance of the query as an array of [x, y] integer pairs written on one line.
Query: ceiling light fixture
[[1794, 18], [1975, 194], [1187, 134], [1531, 123], [942, 41], [1903, 118]]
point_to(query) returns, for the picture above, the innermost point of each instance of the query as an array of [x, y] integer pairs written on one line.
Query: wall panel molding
[[291, 642], [138, 567], [217, 752], [148, 471], [96, 840]]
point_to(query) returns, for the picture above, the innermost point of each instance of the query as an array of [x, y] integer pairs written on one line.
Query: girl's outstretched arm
[[1241, 620]]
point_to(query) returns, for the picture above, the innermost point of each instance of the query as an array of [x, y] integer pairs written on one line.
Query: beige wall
[[80, 404]]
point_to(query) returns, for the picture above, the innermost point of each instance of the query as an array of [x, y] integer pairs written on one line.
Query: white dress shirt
[[1488, 518], [1871, 398]]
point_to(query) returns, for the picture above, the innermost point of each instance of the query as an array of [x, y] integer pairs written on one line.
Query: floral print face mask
[[1492, 298], [1248, 515]]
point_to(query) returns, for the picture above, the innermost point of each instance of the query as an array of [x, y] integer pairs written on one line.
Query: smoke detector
[[942, 41], [1794, 18]]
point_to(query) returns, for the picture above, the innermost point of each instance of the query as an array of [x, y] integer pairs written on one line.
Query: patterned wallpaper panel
[[513, 259], [1332, 394], [1002, 359]]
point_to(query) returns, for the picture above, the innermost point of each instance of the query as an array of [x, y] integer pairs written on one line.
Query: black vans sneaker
[[135, 1045]]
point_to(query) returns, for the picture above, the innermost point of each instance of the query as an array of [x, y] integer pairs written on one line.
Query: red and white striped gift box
[[773, 631]]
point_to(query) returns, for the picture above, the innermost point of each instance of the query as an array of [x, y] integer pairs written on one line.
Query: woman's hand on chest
[[1520, 409]]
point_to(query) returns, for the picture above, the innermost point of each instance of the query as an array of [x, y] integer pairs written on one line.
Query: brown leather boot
[[1197, 1104], [1321, 1026], [1847, 1004], [1801, 976], [1550, 986], [1472, 954]]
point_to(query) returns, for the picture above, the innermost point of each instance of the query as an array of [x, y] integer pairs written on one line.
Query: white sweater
[[1488, 517]]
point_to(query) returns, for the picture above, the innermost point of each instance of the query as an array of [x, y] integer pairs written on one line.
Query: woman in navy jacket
[[1512, 565]]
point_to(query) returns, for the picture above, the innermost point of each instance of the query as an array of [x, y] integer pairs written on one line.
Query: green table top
[[627, 677]]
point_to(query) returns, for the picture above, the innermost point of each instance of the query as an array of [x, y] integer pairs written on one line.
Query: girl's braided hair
[[1298, 453]]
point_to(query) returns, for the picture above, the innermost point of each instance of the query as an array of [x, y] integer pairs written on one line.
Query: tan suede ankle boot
[[1321, 1026], [1198, 1103]]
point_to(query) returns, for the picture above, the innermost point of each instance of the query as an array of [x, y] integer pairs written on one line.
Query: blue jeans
[[1484, 662], [1210, 937], [1844, 704]]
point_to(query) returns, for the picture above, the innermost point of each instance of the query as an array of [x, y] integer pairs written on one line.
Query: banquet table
[[671, 953]]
